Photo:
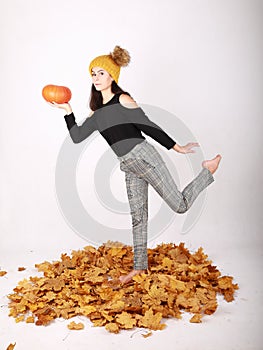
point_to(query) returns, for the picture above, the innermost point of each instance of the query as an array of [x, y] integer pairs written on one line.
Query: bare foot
[[128, 278], [212, 164]]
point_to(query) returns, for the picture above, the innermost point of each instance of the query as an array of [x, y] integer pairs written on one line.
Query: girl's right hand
[[65, 106], [185, 149]]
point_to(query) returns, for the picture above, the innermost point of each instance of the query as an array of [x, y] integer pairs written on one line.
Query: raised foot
[[128, 278], [212, 164]]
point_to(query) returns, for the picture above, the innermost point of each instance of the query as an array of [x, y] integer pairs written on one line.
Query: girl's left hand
[[187, 148], [65, 106]]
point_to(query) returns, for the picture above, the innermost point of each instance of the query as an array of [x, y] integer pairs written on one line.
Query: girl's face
[[101, 79]]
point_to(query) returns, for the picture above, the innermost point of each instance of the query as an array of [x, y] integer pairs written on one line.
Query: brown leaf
[[54, 283], [197, 318], [75, 326], [112, 327], [30, 319], [147, 335], [155, 296], [126, 320], [151, 320]]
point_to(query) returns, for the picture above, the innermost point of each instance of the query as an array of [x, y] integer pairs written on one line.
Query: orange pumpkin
[[58, 94]]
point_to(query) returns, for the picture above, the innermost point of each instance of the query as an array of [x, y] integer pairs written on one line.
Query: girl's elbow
[[75, 137], [76, 140]]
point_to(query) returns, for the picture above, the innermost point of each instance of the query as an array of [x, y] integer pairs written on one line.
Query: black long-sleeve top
[[120, 126]]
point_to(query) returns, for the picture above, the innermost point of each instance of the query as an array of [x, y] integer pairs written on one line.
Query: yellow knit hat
[[112, 63]]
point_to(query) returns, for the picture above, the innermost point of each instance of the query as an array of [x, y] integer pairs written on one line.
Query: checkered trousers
[[144, 165]]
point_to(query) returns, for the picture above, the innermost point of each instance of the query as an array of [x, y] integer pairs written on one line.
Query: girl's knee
[[183, 207], [182, 210]]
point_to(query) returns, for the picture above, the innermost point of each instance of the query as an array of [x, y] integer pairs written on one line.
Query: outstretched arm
[[187, 148], [77, 133], [152, 129]]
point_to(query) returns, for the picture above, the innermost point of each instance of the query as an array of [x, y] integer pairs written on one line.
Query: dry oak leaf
[[226, 287], [190, 304], [108, 293], [2, 273], [133, 302], [30, 319], [44, 320], [225, 282], [176, 285], [229, 295], [155, 295], [20, 318], [107, 316], [118, 252], [151, 320], [115, 306], [44, 266], [199, 256], [49, 296], [167, 263], [143, 281], [210, 307], [100, 322], [53, 283], [95, 275], [75, 326], [30, 297], [11, 346], [202, 295], [126, 320], [24, 286], [112, 327], [21, 269], [148, 334], [87, 309], [197, 318]]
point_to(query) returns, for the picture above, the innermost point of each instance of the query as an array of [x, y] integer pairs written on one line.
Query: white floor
[[235, 325]]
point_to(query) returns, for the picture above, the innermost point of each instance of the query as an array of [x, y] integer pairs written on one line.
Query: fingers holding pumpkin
[[58, 105], [65, 106]]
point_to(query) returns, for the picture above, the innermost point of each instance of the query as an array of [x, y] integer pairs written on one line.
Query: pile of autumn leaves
[[86, 283]]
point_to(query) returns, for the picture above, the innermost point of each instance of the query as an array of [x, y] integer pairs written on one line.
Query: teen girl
[[120, 121]]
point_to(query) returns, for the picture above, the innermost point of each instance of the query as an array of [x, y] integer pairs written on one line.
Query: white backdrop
[[200, 60]]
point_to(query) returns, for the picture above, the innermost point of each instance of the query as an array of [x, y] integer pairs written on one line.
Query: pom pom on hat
[[113, 62], [120, 56]]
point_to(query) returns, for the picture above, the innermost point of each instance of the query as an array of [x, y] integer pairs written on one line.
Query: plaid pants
[[144, 165]]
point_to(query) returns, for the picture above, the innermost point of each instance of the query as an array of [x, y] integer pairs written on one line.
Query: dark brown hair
[[96, 96]]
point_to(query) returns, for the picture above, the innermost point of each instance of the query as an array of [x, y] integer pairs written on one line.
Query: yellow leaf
[[126, 320], [148, 334], [112, 327], [151, 320], [167, 263], [87, 310], [75, 326], [176, 284], [20, 318], [197, 318], [30, 319]]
